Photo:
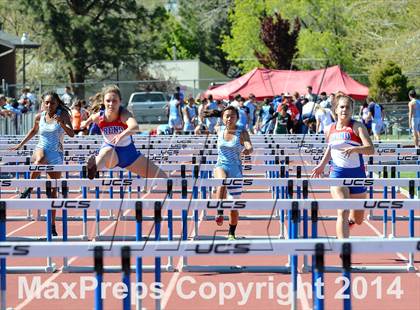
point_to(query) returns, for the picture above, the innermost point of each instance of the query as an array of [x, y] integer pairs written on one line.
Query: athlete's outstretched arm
[[29, 135], [91, 119]]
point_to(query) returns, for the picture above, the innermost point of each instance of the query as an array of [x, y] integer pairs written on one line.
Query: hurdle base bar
[[151, 218], [132, 238], [43, 239], [365, 269], [90, 218], [398, 218], [236, 269], [116, 269], [20, 218], [244, 217], [31, 269]]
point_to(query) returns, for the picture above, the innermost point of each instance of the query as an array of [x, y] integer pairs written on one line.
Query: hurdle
[[99, 250], [182, 204]]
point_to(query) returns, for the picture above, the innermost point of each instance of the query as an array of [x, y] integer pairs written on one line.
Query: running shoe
[[25, 193], [219, 219], [352, 224], [231, 237], [54, 231], [91, 167]]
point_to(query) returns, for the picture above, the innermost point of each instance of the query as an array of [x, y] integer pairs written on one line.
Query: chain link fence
[[191, 87]]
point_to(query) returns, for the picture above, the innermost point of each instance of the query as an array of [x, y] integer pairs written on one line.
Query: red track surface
[[376, 298]]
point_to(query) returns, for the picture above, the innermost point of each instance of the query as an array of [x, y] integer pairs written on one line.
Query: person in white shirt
[[377, 115], [67, 97], [323, 117]]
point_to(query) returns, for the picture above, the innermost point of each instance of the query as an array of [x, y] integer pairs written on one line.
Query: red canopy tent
[[266, 83]]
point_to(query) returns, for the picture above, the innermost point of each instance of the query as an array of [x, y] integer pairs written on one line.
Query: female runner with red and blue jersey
[[118, 125], [348, 140]]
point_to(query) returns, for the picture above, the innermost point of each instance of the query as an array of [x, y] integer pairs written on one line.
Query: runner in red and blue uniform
[[348, 140], [117, 126]]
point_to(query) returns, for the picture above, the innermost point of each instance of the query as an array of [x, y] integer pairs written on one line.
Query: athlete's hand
[[246, 152], [116, 139], [58, 119], [348, 151], [14, 147], [317, 171]]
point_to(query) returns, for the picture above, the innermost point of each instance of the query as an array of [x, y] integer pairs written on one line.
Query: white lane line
[[379, 234], [176, 275], [43, 286], [19, 229], [302, 294], [58, 273]]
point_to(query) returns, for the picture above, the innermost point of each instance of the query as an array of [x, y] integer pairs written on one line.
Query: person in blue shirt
[[175, 121], [265, 123], [377, 115], [190, 113], [211, 105], [251, 105], [243, 119]]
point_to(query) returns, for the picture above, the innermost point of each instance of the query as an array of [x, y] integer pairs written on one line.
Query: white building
[[193, 76]]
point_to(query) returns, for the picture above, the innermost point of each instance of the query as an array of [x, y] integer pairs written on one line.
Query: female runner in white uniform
[[347, 140]]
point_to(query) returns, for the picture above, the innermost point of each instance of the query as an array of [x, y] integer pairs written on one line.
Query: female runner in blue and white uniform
[[175, 114], [190, 116], [232, 142], [117, 126], [51, 124], [347, 140]]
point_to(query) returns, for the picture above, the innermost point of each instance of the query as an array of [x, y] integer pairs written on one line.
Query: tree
[[280, 42], [95, 34], [243, 40], [196, 32], [323, 34], [388, 83]]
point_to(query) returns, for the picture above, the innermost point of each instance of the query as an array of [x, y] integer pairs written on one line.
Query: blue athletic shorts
[[416, 124], [53, 157], [189, 127], [126, 154], [232, 171], [359, 172]]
